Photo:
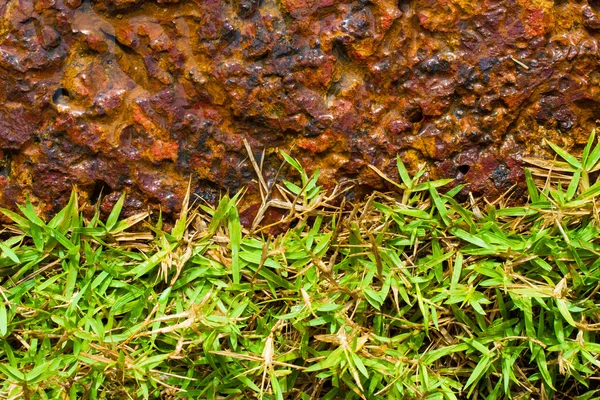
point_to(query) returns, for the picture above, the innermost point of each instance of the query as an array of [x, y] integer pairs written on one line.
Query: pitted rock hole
[[60, 96], [464, 169], [99, 190]]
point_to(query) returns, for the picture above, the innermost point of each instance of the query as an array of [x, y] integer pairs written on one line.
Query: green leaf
[[43, 368], [432, 356], [37, 235], [564, 310], [292, 161], [181, 223], [588, 147], [90, 231], [29, 212], [359, 365], [439, 205], [566, 156], [402, 171], [460, 233], [62, 239], [411, 212], [146, 266], [16, 218], [573, 185], [9, 253], [458, 262], [113, 217], [432, 184], [12, 373], [543, 368], [534, 193], [3, 320], [333, 359], [153, 361], [221, 213], [235, 234], [592, 192], [592, 161], [478, 372]]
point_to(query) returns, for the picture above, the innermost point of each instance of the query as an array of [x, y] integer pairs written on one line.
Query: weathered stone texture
[[137, 96]]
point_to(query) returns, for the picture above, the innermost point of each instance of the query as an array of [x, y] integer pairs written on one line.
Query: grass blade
[[113, 217], [566, 156]]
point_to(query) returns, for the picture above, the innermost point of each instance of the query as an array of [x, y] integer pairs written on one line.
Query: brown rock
[[139, 96]]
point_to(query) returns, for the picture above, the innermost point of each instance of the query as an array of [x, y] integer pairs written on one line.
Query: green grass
[[407, 295]]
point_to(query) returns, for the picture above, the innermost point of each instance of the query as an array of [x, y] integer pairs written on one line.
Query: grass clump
[[411, 295]]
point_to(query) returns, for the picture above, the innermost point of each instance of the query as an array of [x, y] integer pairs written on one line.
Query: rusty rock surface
[[139, 96]]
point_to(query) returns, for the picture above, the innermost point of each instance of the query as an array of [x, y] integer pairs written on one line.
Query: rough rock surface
[[139, 96]]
